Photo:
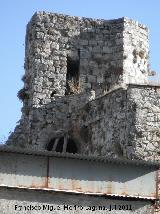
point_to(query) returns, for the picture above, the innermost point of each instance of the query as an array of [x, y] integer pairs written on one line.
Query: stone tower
[[86, 88]]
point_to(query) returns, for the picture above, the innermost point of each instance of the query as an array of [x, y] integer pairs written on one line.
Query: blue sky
[[16, 13]]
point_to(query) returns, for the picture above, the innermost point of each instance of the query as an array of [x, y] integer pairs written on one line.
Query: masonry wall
[[93, 44], [72, 69], [107, 53], [143, 125], [54, 202], [136, 53], [123, 123]]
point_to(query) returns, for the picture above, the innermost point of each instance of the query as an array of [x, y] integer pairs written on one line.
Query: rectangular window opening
[[72, 77]]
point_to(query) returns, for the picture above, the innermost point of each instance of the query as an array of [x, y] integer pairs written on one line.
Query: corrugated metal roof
[[77, 176], [12, 149]]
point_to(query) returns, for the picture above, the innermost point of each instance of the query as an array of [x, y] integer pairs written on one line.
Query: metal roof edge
[[12, 149], [111, 196]]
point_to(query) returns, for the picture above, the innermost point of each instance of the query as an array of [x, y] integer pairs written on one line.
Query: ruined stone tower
[[86, 88]]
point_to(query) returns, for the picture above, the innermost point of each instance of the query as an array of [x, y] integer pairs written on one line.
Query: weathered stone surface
[[77, 72]]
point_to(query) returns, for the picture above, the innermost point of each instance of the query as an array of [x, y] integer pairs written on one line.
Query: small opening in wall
[[59, 147], [72, 77], [72, 68], [71, 147], [53, 93], [50, 145]]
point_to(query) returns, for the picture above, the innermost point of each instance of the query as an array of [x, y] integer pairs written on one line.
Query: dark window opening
[[71, 147], [53, 93], [72, 76], [59, 147], [62, 145], [50, 145], [72, 68]]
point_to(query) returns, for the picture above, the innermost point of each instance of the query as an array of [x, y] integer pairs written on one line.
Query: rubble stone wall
[[136, 53], [123, 123], [143, 126], [76, 79], [103, 54]]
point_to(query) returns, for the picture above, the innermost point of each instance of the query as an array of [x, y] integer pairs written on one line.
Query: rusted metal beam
[[77, 175]]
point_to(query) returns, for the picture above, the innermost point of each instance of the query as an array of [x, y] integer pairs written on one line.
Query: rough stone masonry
[[86, 88]]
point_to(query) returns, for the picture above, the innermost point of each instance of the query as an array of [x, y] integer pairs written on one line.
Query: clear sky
[[14, 16]]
